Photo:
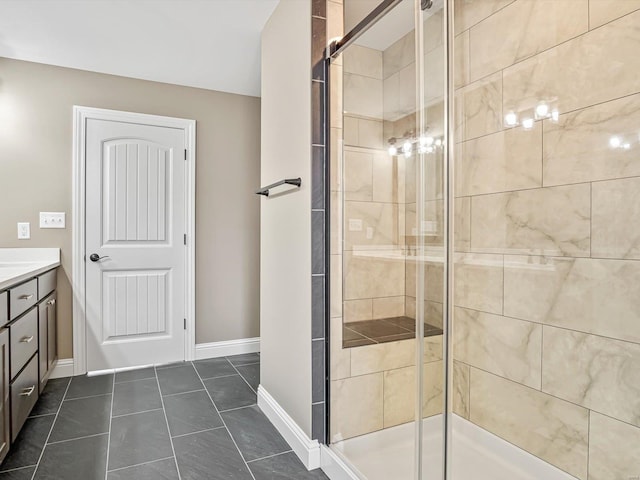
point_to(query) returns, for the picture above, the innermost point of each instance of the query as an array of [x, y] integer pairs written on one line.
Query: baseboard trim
[[334, 467], [306, 449], [224, 349], [62, 368]]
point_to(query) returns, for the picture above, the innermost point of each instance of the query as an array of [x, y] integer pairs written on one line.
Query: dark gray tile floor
[[186, 421]]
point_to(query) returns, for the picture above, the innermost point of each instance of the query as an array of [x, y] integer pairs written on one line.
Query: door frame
[[78, 277]]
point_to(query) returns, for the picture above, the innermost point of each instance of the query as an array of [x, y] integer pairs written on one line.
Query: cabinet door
[[43, 355], [52, 350], [4, 393]]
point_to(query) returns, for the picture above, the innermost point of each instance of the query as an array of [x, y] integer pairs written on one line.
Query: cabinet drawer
[[46, 284], [4, 308], [23, 338], [24, 394], [22, 298]]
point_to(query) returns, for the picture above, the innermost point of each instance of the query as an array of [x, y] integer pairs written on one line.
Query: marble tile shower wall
[[547, 270], [399, 92], [374, 209]]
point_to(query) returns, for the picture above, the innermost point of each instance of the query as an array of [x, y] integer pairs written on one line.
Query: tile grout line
[[113, 394], [221, 376], [134, 380], [270, 456], [17, 468], [138, 464], [225, 423], [179, 393], [136, 413], [77, 438], [88, 396], [164, 412], [237, 408], [199, 431], [241, 376], [44, 447]]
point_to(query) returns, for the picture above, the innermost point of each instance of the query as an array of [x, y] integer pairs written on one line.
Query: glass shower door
[[387, 378]]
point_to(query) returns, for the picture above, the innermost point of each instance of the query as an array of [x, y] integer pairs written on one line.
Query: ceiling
[[212, 44]]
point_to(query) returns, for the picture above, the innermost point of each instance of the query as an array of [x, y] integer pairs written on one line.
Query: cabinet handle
[[51, 302], [26, 339], [26, 297], [27, 391]]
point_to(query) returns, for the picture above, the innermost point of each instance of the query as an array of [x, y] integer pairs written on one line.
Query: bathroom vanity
[[27, 333]]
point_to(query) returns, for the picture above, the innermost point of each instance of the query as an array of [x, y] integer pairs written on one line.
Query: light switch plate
[[24, 231], [355, 225], [52, 220]]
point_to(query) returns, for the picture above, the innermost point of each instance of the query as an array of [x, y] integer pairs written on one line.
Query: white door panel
[[135, 208]]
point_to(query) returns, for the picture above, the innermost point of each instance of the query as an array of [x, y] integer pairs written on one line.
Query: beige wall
[[546, 327], [35, 175], [285, 293]]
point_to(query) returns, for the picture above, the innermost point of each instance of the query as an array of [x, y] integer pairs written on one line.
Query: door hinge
[[185, 154], [185, 238], [185, 323]]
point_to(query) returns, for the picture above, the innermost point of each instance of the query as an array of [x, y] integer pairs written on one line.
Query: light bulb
[[393, 150], [429, 149], [427, 141], [438, 142], [511, 119], [542, 110], [614, 142], [527, 123], [555, 115], [407, 154], [626, 146], [406, 147]]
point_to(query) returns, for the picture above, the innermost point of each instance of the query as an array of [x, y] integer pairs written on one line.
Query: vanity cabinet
[[47, 351], [4, 308], [27, 350], [5, 406]]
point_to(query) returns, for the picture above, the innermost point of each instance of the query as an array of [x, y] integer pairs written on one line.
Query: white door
[[135, 253]]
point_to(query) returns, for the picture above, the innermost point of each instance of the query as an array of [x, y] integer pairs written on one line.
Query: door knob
[[94, 257]]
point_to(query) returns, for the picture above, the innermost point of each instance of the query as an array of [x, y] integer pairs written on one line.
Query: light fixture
[[511, 119], [542, 110], [626, 146], [409, 143], [527, 123], [393, 150], [555, 115], [615, 142], [426, 141]]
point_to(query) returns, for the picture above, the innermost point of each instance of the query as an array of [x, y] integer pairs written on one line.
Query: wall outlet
[[52, 220], [369, 233], [24, 231]]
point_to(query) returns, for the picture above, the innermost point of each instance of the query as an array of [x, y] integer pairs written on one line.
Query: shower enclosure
[[485, 240]]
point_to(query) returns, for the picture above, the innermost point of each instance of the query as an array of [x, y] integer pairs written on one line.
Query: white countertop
[[19, 264]]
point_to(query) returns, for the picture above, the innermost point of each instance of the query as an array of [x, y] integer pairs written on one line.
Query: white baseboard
[[306, 449], [225, 349], [334, 467], [62, 368]]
